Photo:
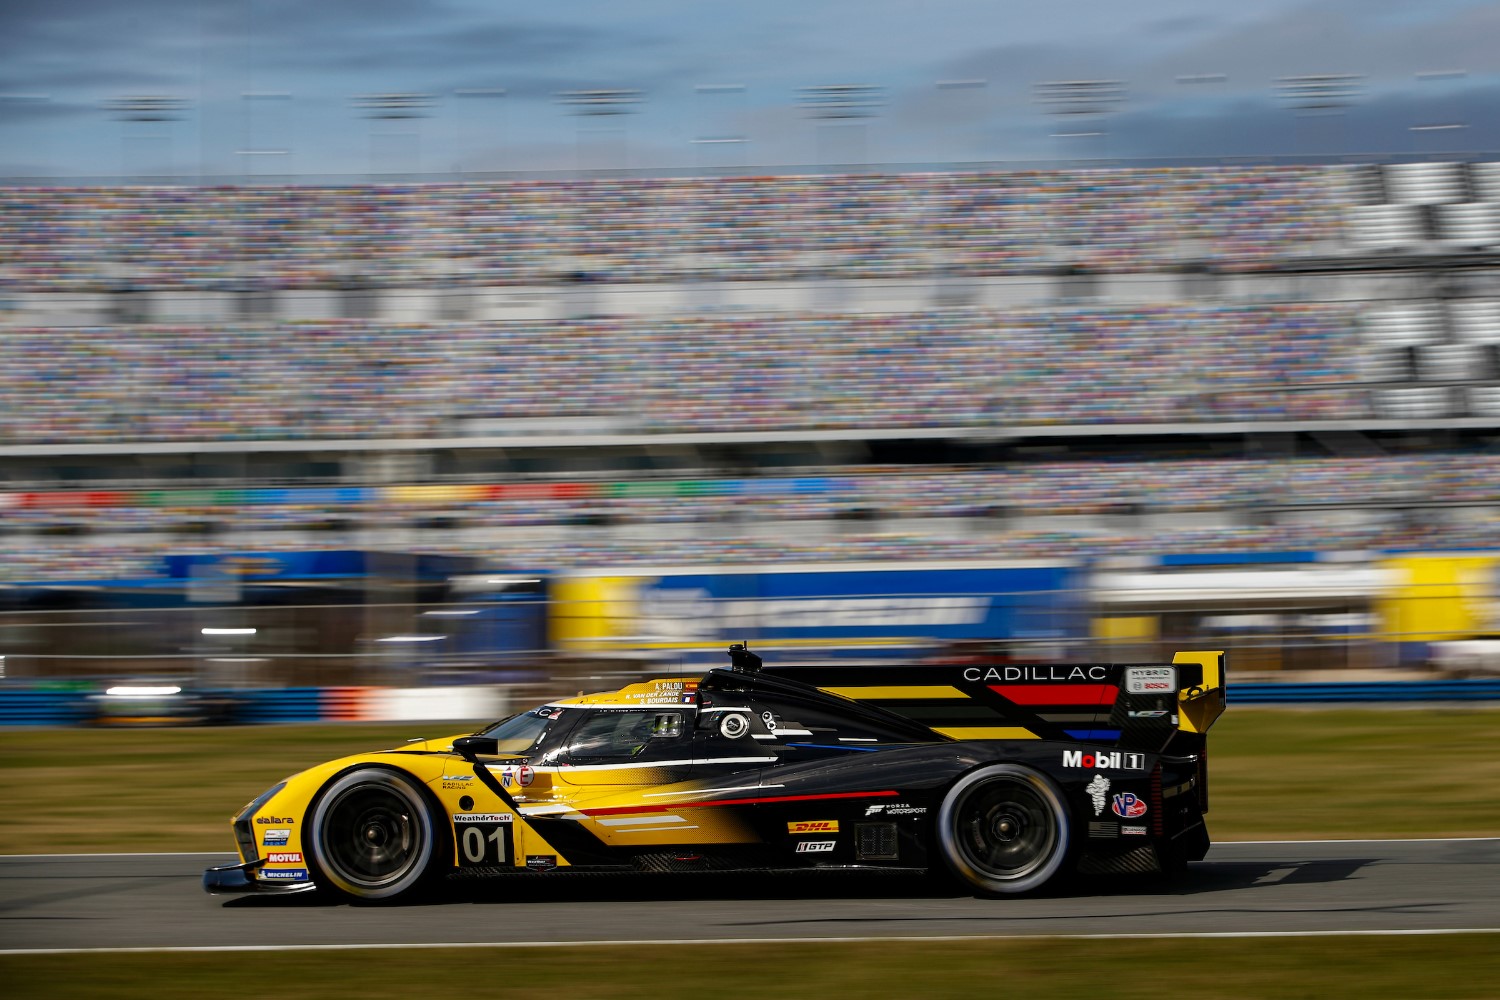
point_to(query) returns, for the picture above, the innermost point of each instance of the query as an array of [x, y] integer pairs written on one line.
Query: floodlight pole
[[959, 88], [1217, 81], [603, 103], [143, 109], [1318, 95], [1440, 128], [1081, 108], [465, 94], [842, 105], [249, 152], [707, 139], [19, 101], [395, 107]]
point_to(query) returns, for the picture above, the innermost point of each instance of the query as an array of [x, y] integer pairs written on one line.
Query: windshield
[[520, 733]]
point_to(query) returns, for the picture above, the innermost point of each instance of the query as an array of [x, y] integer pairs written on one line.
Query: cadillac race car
[[1007, 775]]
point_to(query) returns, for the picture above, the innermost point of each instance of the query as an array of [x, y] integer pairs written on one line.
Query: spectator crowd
[[664, 229]]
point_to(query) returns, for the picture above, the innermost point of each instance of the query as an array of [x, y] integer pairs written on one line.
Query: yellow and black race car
[[1008, 774]]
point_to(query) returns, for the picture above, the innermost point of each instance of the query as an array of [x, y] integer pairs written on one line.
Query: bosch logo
[[1151, 680], [1128, 805]]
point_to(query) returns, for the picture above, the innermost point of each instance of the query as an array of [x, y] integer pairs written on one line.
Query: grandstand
[[979, 366]]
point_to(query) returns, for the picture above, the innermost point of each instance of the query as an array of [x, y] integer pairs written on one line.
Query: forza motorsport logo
[[1104, 758]]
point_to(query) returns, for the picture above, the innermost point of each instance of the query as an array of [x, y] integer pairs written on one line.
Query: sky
[[270, 87]]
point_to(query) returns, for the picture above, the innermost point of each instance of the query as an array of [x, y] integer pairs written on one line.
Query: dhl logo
[[813, 826]]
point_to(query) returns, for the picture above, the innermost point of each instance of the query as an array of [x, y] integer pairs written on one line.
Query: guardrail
[[1372, 691], [73, 706], [23, 707]]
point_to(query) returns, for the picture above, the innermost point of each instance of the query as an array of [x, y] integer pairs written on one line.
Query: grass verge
[[1435, 968], [1275, 774]]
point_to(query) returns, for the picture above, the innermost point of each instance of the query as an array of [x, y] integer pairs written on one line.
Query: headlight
[[244, 832]]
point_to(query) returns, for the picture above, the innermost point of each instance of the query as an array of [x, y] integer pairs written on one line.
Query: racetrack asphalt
[[89, 902]]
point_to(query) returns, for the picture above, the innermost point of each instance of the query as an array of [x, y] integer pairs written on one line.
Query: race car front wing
[[232, 879]]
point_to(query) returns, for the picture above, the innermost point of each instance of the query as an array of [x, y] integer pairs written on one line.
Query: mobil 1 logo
[[1100, 759], [483, 839]]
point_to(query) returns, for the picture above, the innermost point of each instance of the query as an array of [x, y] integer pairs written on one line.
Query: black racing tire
[[1005, 830], [372, 835]]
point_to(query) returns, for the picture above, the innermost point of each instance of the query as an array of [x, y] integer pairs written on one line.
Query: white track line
[[1386, 840], [130, 854], [700, 942]]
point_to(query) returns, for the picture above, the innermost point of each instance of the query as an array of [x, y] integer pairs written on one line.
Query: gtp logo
[[1128, 804]]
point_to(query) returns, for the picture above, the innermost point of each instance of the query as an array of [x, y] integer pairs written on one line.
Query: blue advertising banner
[[942, 604]]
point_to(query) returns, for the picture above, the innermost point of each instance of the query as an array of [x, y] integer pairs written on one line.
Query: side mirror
[[470, 747]]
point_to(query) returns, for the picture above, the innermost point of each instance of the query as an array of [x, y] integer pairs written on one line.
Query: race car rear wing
[[1138, 706]]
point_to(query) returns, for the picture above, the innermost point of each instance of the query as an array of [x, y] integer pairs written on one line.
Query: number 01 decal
[[483, 842]]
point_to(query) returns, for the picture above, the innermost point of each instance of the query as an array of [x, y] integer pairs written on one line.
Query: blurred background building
[[281, 431]]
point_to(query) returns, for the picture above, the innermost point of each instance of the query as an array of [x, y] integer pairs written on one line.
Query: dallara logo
[[813, 826]]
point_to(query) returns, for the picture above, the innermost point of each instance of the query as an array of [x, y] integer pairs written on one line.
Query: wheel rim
[[371, 836], [1005, 829]]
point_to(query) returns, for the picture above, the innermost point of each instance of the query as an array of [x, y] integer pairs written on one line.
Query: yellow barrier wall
[[1439, 597]]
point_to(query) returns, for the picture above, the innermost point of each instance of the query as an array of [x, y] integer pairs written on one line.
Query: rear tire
[[371, 836], [1005, 830]]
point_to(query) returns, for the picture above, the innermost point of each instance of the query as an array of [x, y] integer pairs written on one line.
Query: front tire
[[1004, 829], [371, 835]]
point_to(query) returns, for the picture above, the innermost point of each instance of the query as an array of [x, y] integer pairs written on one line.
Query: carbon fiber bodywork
[[1025, 771]]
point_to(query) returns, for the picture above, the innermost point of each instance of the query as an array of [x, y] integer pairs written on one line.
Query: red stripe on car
[[1059, 694], [673, 807]]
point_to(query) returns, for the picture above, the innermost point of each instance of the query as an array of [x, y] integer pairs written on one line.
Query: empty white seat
[[1425, 183], [1470, 223], [1449, 362], [1415, 402], [1476, 321], [1484, 401], [1407, 324], [1385, 227], [1384, 364], [1360, 184], [1486, 177]]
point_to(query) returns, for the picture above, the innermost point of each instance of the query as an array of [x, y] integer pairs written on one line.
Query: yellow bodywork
[[630, 807], [1200, 706]]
